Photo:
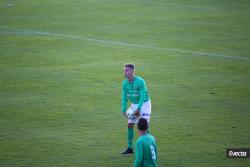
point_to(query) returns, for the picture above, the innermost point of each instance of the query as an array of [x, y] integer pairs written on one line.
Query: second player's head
[[129, 70], [142, 125]]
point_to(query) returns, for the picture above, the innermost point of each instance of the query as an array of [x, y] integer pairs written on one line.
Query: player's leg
[[147, 117], [146, 112], [130, 135]]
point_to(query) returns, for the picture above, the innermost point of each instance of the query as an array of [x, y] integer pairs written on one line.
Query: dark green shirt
[[146, 151]]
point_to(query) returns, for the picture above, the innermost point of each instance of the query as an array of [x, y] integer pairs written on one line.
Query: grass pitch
[[61, 68]]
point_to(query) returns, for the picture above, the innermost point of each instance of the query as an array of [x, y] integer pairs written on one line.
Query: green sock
[[130, 137]]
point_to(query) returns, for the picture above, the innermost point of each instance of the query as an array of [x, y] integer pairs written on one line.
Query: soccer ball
[[131, 113]]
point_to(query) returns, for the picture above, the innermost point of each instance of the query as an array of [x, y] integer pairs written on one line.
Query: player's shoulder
[[125, 81], [140, 140], [152, 137], [144, 139], [140, 79]]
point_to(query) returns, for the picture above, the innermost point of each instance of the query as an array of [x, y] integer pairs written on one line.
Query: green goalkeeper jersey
[[135, 91], [146, 151]]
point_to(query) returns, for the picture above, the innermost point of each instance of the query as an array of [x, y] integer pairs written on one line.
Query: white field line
[[14, 31]]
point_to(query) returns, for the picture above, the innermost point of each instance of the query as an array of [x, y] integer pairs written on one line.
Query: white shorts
[[145, 111]]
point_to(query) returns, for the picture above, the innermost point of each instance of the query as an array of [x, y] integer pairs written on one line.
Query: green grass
[[60, 95]]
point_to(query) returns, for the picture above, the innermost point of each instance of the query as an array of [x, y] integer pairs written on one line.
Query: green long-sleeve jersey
[[146, 151], [135, 91]]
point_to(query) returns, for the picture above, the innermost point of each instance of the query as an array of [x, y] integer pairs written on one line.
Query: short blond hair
[[130, 65]]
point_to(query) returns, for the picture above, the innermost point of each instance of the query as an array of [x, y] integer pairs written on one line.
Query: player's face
[[128, 72]]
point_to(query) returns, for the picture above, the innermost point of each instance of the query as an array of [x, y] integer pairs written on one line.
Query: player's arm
[[138, 154], [124, 97], [156, 152], [142, 92]]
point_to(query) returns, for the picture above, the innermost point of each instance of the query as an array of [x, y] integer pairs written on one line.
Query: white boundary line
[[16, 31]]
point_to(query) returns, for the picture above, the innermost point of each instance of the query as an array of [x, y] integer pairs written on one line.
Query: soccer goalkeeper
[[135, 90]]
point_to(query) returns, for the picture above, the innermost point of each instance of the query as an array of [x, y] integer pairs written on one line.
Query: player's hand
[[137, 113], [125, 115]]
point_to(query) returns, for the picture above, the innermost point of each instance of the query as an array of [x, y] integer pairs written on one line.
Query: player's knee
[[130, 125]]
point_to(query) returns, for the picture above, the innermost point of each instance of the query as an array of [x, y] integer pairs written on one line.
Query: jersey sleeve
[[124, 97], [156, 152], [142, 91], [138, 154]]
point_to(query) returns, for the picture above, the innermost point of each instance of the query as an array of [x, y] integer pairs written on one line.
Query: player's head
[[142, 125], [129, 70]]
